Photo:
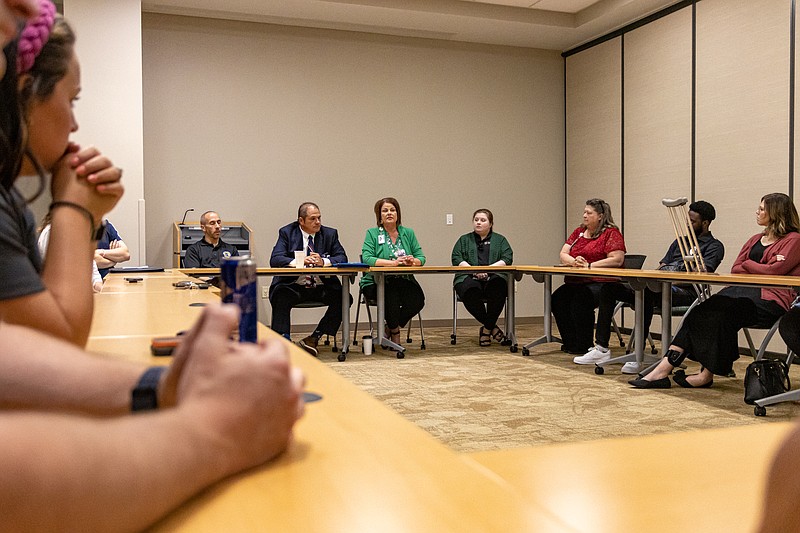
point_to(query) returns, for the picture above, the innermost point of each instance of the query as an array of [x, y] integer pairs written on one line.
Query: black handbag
[[765, 378]]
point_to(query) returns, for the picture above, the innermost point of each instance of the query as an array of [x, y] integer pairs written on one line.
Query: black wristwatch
[[144, 396]]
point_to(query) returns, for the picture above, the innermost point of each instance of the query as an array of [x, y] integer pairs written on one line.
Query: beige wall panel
[[252, 119], [796, 115], [593, 129], [657, 130], [742, 111]]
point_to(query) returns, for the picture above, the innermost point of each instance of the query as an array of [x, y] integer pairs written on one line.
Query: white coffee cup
[[366, 345], [300, 259]]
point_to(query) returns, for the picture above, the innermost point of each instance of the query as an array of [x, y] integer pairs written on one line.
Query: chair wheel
[[525, 352], [760, 411], [423, 347], [621, 344], [513, 348], [452, 341], [401, 354], [653, 351], [599, 370], [355, 342], [335, 349], [327, 342], [341, 357], [505, 342], [409, 340]]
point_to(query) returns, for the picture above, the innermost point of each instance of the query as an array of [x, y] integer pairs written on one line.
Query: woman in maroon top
[[596, 243], [710, 333]]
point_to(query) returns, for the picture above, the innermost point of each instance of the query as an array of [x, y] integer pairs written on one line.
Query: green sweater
[[372, 250], [466, 249]]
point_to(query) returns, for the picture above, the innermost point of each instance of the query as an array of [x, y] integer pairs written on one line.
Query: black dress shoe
[[642, 383], [680, 379], [309, 344]]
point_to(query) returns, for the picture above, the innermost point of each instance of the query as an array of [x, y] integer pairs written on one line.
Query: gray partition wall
[[705, 107], [706, 110]]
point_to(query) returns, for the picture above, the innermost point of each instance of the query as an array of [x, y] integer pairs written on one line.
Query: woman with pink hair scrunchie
[[54, 296]]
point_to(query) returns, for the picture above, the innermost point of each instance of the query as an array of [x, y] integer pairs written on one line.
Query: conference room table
[[354, 464], [347, 273], [357, 466], [380, 274], [639, 280]]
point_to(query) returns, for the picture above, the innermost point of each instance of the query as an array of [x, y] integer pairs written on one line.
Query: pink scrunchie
[[34, 36]]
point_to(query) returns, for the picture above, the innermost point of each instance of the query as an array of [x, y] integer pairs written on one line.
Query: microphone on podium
[[184, 216]]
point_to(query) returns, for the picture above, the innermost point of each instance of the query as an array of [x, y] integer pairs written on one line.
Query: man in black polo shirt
[[209, 251]]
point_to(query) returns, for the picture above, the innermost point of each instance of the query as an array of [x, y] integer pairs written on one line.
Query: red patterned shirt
[[609, 240]]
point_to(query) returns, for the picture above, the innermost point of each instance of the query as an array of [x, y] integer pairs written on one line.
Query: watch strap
[[144, 397]]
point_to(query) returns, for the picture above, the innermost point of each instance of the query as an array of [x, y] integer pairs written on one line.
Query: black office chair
[[632, 261]]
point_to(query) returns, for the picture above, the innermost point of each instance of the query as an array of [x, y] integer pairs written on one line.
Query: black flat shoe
[[642, 383], [680, 379]]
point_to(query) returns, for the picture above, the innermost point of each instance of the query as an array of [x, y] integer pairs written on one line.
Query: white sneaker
[[595, 355], [631, 367]]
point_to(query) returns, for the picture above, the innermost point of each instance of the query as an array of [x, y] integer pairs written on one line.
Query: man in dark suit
[[322, 248]]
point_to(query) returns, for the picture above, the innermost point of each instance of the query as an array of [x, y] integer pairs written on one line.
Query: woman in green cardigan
[[483, 294], [390, 244]]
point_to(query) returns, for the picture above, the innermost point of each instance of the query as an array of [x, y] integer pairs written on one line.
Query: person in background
[[596, 243], [322, 248], [483, 293], [710, 332], [392, 244], [44, 240], [111, 249], [234, 402], [209, 251], [701, 214]]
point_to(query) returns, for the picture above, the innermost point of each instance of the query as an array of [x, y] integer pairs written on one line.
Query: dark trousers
[[573, 308], [285, 297], [790, 329], [484, 299], [611, 293], [403, 298], [710, 333]]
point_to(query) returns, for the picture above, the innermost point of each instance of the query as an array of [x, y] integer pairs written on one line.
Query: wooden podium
[[184, 235]]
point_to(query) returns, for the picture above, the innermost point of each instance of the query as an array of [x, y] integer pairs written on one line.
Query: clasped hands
[[86, 177], [314, 260], [580, 262], [404, 260]]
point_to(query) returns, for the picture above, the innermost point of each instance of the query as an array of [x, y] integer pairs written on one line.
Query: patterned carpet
[[474, 398]]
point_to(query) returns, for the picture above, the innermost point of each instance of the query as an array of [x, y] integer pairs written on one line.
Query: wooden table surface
[[354, 465], [709, 480]]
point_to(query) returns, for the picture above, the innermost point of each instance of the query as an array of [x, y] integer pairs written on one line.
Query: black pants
[[403, 298], [611, 293], [790, 329], [573, 308], [473, 293], [710, 333], [285, 297]]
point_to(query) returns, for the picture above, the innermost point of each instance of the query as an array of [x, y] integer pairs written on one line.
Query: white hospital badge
[[226, 254], [381, 239]]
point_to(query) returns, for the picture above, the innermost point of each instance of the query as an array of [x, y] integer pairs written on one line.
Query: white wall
[[252, 119], [110, 109]]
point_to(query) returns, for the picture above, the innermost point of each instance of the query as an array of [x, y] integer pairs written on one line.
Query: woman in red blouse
[[597, 243]]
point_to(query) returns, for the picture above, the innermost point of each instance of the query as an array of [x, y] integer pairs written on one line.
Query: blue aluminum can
[[238, 279]]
